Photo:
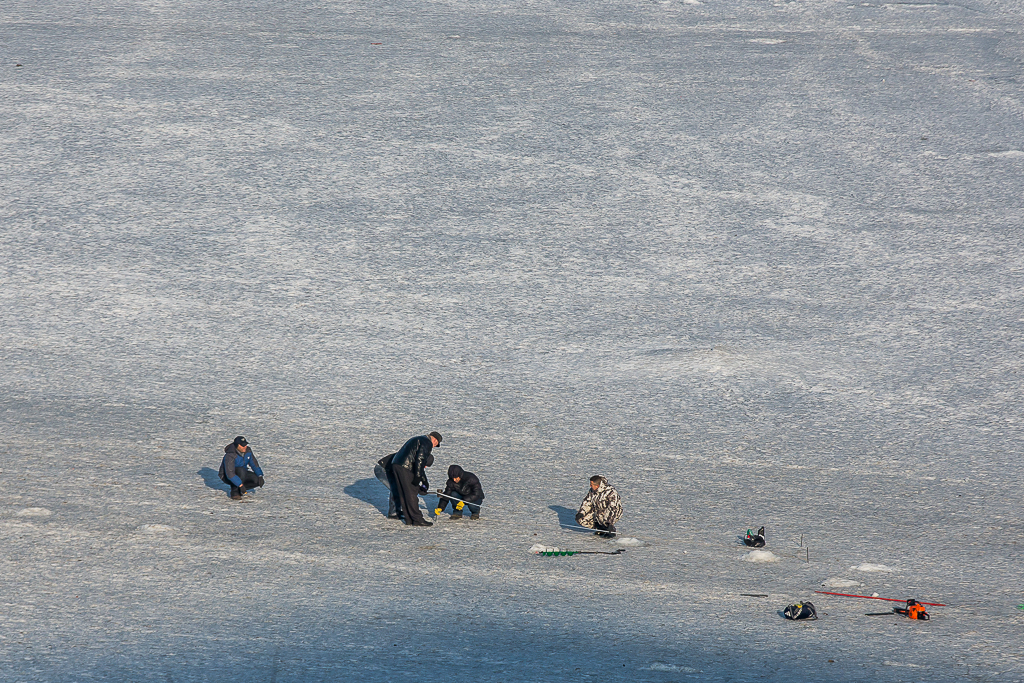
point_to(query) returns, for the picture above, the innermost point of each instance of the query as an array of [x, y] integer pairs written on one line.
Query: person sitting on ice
[[601, 508], [234, 468], [461, 490]]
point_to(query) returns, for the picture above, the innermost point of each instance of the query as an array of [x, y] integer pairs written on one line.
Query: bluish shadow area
[[567, 519], [516, 648], [369, 491], [212, 479]]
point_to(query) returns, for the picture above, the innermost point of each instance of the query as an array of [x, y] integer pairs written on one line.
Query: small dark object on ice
[[754, 540], [801, 610]]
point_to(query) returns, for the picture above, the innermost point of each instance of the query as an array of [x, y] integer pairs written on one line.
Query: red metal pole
[[871, 597]]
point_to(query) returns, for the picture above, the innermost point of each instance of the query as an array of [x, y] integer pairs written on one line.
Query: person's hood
[[230, 448], [455, 472]]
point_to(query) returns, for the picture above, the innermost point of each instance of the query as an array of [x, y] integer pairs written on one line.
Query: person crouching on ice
[[601, 508], [234, 468], [464, 486]]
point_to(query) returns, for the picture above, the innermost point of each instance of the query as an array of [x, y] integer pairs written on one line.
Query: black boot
[[423, 523], [475, 515], [456, 515]]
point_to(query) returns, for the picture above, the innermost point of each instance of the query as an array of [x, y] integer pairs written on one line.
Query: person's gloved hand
[[423, 488], [437, 512], [259, 481], [440, 492], [459, 506], [579, 518], [241, 489]]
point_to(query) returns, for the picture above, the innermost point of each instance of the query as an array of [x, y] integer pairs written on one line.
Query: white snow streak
[[760, 556]]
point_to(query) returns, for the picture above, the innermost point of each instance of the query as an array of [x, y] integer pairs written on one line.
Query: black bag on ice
[[801, 610], [754, 540]]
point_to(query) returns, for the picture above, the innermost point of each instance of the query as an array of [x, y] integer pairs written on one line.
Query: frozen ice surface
[[760, 556], [869, 567], [34, 512], [661, 666], [626, 541], [752, 260]]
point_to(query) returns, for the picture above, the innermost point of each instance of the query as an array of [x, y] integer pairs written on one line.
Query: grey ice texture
[[756, 262]]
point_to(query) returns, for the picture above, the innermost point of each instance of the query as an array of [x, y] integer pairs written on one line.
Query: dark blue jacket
[[233, 460], [468, 488]]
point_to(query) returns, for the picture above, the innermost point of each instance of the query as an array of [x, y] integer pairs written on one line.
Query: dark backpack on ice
[[754, 541], [801, 610]]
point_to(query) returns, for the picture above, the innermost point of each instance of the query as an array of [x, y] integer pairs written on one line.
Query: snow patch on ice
[[760, 556], [766, 41], [659, 666], [868, 567], [1011, 153], [156, 529], [912, 666], [627, 541], [836, 582], [34, 512]]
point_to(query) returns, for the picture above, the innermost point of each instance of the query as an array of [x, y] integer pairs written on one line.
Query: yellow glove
[[459, 506], [437, 512]]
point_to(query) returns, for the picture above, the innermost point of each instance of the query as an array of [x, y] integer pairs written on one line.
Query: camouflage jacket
[[602, 506]]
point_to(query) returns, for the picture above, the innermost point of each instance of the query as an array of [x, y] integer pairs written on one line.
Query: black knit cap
[[436, 435]]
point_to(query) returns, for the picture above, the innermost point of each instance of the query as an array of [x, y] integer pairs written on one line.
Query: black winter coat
[[415, 455], [468, 488]]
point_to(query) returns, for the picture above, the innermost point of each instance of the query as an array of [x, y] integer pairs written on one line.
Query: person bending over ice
[[408, 472], [234, 468], [465, 486], [601, 508]]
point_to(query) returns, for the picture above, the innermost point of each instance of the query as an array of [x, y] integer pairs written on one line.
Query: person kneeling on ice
[[601, 508], [461, 490], [382, 470], [234, 468], [407, 470]]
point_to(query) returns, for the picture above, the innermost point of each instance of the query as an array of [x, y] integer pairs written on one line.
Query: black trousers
[[406, 493], [249, 481]]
